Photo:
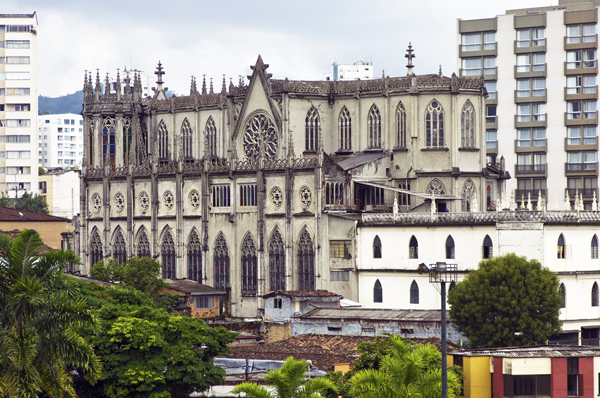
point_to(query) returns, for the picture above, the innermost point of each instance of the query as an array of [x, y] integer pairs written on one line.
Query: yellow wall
[[49, 230], [341, 367], [478, 378]]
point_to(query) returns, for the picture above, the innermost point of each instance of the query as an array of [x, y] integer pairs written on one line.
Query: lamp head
[[440, 266]]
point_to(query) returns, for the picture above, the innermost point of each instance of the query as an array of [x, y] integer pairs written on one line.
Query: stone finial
[[440, 73], [192, 91], [383, 74], [594, 203], [211, 87], [395, 208], [107, 85], [567, 202], [529, 204], [432, 206], [98, 87], [409, 55], [224, 86], [241, 82], [513, 201], [127, 84], [118, 85], [203, 84], [159, 72], [231, 86], [539, 201], [555, 203]]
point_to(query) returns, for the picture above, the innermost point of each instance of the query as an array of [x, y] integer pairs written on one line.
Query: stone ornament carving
[[96, 203], [168, 200], [305, 197], [260, 130], [119, 202], [276, 197], [144, 202], [194, 197]]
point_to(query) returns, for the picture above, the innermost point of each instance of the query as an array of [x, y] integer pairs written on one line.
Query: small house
[[198, 300]]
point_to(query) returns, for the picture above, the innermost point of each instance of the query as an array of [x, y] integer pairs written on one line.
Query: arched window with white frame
[[374, 125], [434, 125], [400, 126], [467, 126], [311, 130], [345, 125]]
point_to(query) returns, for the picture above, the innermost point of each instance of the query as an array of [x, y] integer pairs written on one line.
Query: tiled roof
[[302, 293], [91, 280], [374, 314], [192, 287], [322, 350], [15, 232], [546, 351], [8, 214]]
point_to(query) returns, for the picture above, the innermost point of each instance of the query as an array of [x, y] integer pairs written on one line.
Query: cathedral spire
[[203, 84], [127, 84], [224, 86], [106, 85], [241, 82], [440, 70], [98, 87], [192, 84], [409, 55], [211, 87], [159, 72], [118, 85]]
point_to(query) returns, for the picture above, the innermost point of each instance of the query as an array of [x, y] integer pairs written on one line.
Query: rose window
[[96, 203], [168, 200], [119, 202], [194, 199], [260, 130], [144, 201], [276, 196], [305, 197]]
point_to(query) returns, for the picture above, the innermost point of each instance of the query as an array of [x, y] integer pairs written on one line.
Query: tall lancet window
[[249, 266], [467, 126], [374, 122], [312, 130], [167, 251], [345, 125], [194, 257], [120, 249], [434, 125], [306, 262], [276, 262], [186, 135], [211, 137], [163, 141], [143, 246], [400, 126], [221, 263], [96, 252], [127, 140], [109, 141]]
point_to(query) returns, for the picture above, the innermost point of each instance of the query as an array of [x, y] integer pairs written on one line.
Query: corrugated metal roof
[[374, 314], [360, 159], [193, 287], [546, 351], [302, 293]]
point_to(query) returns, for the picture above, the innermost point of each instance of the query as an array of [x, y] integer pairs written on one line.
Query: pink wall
[[498, 379], [558, 379]]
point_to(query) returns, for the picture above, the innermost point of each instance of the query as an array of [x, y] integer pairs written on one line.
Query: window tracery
[[467, 195], [305, 197], [168, 256], [119, 202], [120, 249], [194, 198], [374, 125], [436, 187], [260, 130], [467, 126], [400, 126], [186, 134], [96, 252], [144, 200], [194, 257], [127, 139], [163, 141], [276, 262], [109, 140], [249, 266], [96, 203], [168, 200], [276, 197], [345, 125], [306, 262], [211, 137], [143, 246], [434, 125], [221, 263], [312, 130]]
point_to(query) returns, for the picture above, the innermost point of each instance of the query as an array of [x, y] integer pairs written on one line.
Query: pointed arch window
[[374, 124], [594, 247], [186, 135], [467, 126], [561, 247], [376, 247], [414, 293], [312, 130], [120, 249], [450, 247], [163, 141], [400, 126], [194, 257], [345, 124], [249, 266], [334, 193], [143, 246], [436, 187], [109, 140], [96, 253], [127, 139], [167, 252], [488, 247], [276, 262], [434, 125], [467, 195], [377, 292], [306, 262], [211, 137], [413, 248], [595, 295], [221, 263], [563, 296]]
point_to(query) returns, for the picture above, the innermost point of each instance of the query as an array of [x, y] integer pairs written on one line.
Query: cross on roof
[[409, 55], [159, 72]]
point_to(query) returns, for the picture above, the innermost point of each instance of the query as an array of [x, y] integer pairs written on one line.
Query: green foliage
[[104, 271], [408, 371], [288, 382], [146, 351], [41, 171], [39, 312], [29, 202], [70, 103], [506, 294]]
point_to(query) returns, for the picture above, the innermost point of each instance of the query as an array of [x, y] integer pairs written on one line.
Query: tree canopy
[[505, 295], [39, 315], [141, 273], [29, 202]]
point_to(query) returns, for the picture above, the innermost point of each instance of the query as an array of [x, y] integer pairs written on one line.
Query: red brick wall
[[586, 368], [558, 379], [498, 379]]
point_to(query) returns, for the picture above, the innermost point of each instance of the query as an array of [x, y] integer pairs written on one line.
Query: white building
[[540, 67], [147, 81], [61, 191], [18, 103], [362, 70], [60, 140]]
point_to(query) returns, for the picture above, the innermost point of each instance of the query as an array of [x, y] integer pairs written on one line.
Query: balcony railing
[[581, 166], [531, 168], [584, 191]]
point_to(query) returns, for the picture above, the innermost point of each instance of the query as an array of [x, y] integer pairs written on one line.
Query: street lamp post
[[442, 273]]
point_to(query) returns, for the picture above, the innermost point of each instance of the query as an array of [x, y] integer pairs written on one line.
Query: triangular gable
[[258, 96], [331, 168]]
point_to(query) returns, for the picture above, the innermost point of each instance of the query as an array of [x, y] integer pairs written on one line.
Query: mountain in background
[[70, 103]]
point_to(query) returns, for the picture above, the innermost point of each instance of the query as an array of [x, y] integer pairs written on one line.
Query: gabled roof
[[374, 314], [360, 159], [303, 294], [8, 214], [194, 288]]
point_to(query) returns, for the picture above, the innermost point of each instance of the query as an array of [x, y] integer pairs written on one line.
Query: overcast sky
[[299, 39]]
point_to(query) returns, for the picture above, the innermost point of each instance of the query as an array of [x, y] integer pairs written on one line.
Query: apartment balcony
[[530, 97], [464, 51], [533, 170], [525, 121], [577, 93], [581, 144], [587, 45], [539, 46], [581, 68], [581, 169], [576, 119], [532, 146], [491, 147], [588, 193], [524, 193], [529, 72], [491, 123]]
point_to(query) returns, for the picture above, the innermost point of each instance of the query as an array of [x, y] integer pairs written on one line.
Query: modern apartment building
[[362, 69], [540, 69], [60, 140], [18, 103]]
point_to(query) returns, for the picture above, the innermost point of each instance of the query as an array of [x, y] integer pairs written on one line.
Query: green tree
[[506, 294], [147, 352], [32, 202], [41, 171], [38, 316], [289, 383], [408, 371]]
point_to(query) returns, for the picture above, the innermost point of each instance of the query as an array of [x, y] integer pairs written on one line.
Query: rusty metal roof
[[192, 287], [360, 159], [302, 293], [543, 351], [374, 314]]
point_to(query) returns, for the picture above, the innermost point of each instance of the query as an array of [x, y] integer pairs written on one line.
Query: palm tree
[[38, 314], [409, 371], [287, 382]]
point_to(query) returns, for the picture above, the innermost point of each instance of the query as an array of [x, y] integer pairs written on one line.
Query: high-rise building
[[60, 140], [540, 69], [362, 70], [18, 103]]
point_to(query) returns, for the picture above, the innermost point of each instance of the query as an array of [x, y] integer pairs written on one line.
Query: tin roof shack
[[373, 322], [281, 306], [199, 301], [550, 371]]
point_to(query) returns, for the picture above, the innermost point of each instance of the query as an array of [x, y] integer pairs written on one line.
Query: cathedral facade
[[259, 187]]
